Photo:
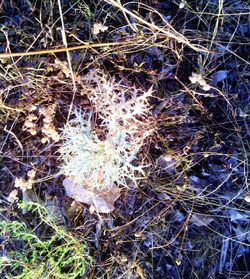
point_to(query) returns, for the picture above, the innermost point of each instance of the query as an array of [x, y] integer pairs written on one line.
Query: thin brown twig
[[63, 49]]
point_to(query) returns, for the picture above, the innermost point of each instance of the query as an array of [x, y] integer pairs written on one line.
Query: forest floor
[[178, 204]]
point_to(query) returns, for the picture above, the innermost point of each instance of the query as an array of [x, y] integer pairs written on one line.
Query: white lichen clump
[[102, 157]]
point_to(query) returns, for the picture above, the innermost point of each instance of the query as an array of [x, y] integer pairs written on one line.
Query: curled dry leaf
[[102, 200]]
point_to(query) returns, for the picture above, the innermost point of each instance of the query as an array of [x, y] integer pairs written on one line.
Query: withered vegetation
[[124, 139]]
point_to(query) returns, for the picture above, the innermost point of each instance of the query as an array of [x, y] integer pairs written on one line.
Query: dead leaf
[[103, 201], [219, 76], [200, 220], [236, 216]]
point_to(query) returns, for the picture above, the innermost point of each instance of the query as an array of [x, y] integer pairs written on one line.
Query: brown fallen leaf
[[102, 200]]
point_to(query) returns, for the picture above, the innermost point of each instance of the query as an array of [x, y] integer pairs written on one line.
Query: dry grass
[[198, 157]]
